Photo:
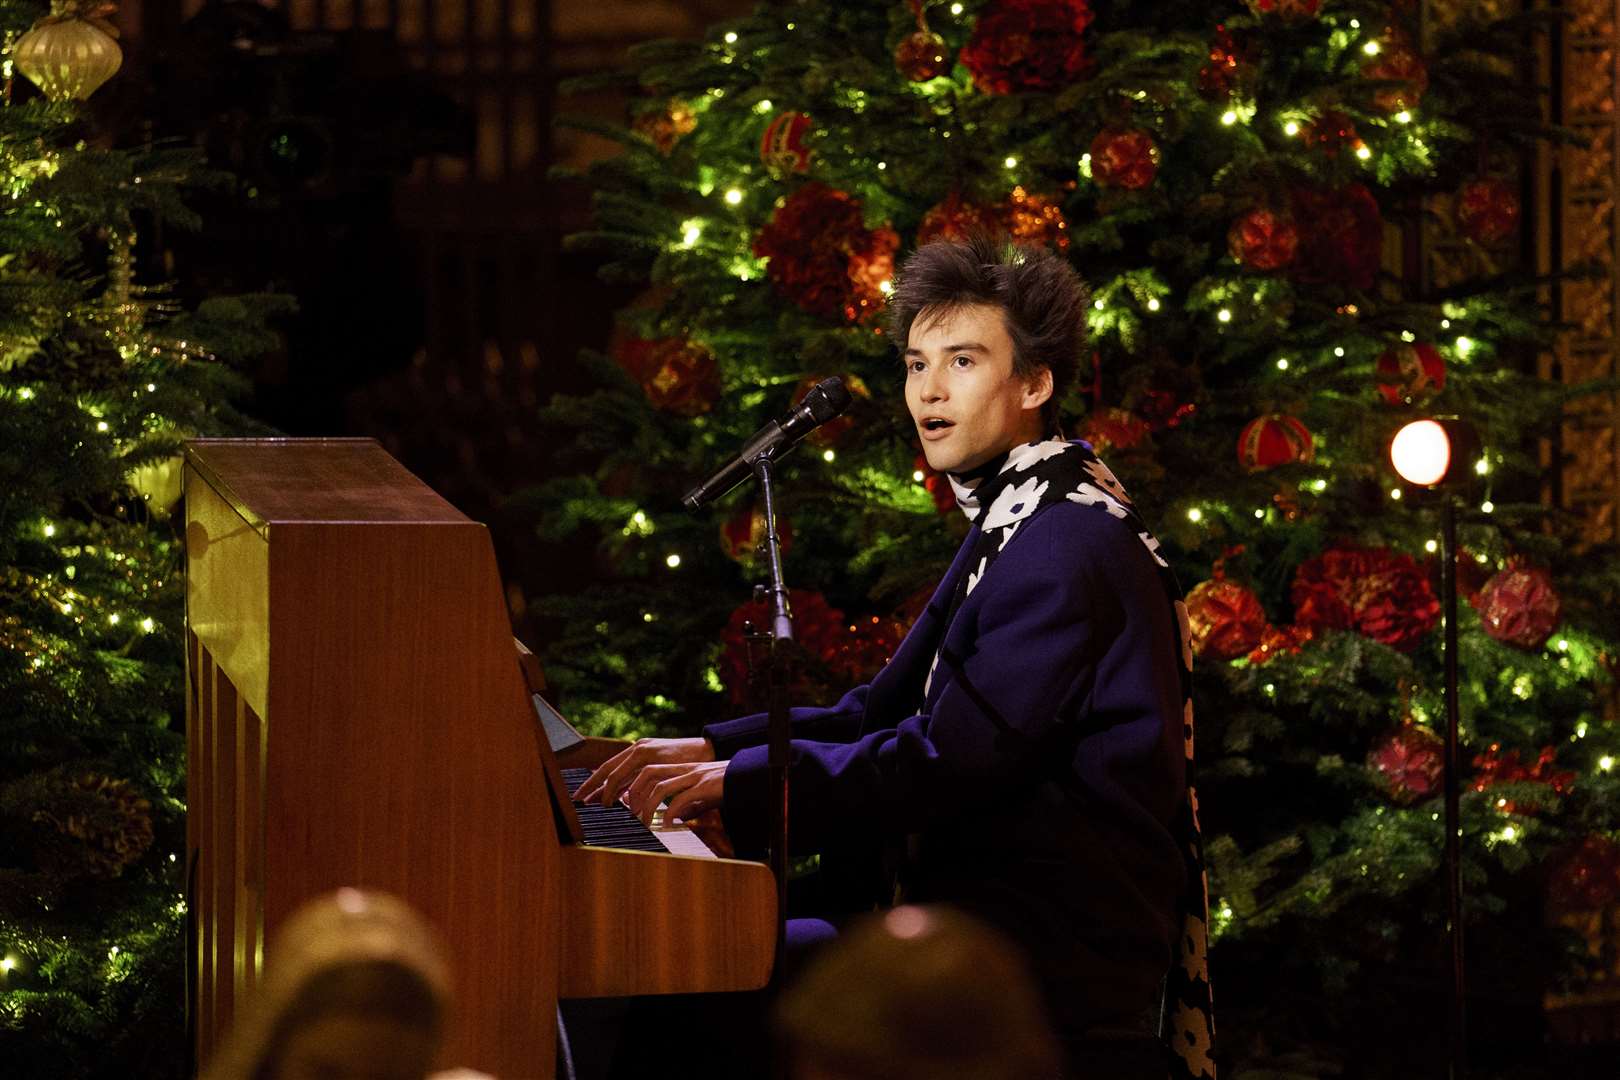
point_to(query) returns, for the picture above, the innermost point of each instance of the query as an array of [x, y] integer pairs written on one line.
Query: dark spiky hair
[[1041, 298]]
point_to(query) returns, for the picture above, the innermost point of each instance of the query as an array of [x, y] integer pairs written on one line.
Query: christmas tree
[[1299, 224], [101, 377]]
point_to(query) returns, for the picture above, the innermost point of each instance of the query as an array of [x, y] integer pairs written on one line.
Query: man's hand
[[691, 790], [615, 775]]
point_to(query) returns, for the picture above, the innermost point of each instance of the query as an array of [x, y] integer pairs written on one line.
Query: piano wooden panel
[[358, 717], [709, 929]]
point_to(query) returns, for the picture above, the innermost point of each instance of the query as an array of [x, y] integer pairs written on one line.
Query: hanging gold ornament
[[70, 52]]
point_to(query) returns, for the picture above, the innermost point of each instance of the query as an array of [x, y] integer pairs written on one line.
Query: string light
[[672, 561], [1431, 547], [1152, 304], [1395, 493], [1291, 128], [882, 165], [1282, 364], [1229, 117], [26, 393], [956, 9], [731, 38], [1371, 48], [827, 455], [917, 477], [733, 197], [1487, 506], [1195, 515], [1464, 346], [690, 232], [1338, 351], [1606, 762], [148, 624], [763, 106], [8, 965], [1011, 162], [1403, 117], [1363, 153], [49, 530], [1260, 513], [1319, 485], [1224, 315], [1482, 466]]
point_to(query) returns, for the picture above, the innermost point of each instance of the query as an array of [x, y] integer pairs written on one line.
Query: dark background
[[391, 164]]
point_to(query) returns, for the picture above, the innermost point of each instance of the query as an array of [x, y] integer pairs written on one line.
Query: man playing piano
[[1026, 748]]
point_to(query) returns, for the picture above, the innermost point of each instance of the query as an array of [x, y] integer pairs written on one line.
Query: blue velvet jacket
[[1038, 777]]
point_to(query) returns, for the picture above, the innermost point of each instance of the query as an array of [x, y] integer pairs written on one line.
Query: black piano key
[[609, 826]]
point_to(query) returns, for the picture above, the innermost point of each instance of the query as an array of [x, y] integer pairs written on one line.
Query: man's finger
[[659, 792], [599, 776]]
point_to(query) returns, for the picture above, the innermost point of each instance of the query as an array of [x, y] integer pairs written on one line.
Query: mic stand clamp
[[780, 633]]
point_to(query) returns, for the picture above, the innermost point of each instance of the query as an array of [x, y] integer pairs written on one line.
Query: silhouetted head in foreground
[[918, 992]]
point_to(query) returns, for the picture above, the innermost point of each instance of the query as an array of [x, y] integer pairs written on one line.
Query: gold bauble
[[70, 52]]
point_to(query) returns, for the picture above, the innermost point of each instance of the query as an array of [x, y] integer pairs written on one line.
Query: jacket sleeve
[[1053, 608], [838, 723]]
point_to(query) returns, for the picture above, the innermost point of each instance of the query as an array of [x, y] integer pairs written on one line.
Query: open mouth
[[934, 423]]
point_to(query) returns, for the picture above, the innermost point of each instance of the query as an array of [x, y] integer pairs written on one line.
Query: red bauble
[[1411, 761], [833, 432], [1263, 240], [1396, 61], [784, 148], [1519, 606], [1379, 593], [1226, 619], [1342, 240], [1488, 211], [1286, 9], [742, 534], [1269, 441], [1035, 219], [922, 55], [865, 646], [1496, 767], [1410, 373], [822, 257], [1586, 878], [1330, 133], [1228, 64], [1278, 640], [1113, 429], [665, 125], [1028, 45], [937, 485], [677, 375], [1124, 158], [953, 218]]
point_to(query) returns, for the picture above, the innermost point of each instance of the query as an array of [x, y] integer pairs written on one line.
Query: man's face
[[967, 404]]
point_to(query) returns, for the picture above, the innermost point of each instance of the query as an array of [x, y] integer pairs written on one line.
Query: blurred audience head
[[355, 987], [917, 992]]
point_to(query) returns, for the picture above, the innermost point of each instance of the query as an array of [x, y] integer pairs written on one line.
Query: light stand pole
[[1434, 455]]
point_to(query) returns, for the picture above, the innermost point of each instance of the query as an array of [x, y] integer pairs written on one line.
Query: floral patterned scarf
[[998, 498]]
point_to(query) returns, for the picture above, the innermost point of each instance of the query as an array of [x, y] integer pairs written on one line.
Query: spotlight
[[1435, 453]]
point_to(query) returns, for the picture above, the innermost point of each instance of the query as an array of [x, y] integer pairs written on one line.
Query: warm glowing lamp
[[1434, 453], [1421, 453]]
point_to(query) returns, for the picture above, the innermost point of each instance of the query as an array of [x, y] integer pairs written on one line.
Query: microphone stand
[[781, 632]]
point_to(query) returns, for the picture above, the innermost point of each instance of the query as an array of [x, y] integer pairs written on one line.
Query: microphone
[[825, 400]]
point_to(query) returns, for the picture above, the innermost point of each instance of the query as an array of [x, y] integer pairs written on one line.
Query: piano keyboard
[[616, 827]]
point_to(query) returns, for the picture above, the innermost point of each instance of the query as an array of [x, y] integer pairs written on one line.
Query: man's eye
[[962, 361]]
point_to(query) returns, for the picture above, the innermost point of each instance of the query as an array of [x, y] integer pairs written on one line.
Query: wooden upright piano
[[356, 715]]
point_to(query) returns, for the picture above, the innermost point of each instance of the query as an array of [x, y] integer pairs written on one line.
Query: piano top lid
[[290, 481]]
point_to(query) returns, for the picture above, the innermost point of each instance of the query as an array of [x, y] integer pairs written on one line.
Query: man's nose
[[933, 386]]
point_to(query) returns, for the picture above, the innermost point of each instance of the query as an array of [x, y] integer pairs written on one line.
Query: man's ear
[[1038, 389]]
